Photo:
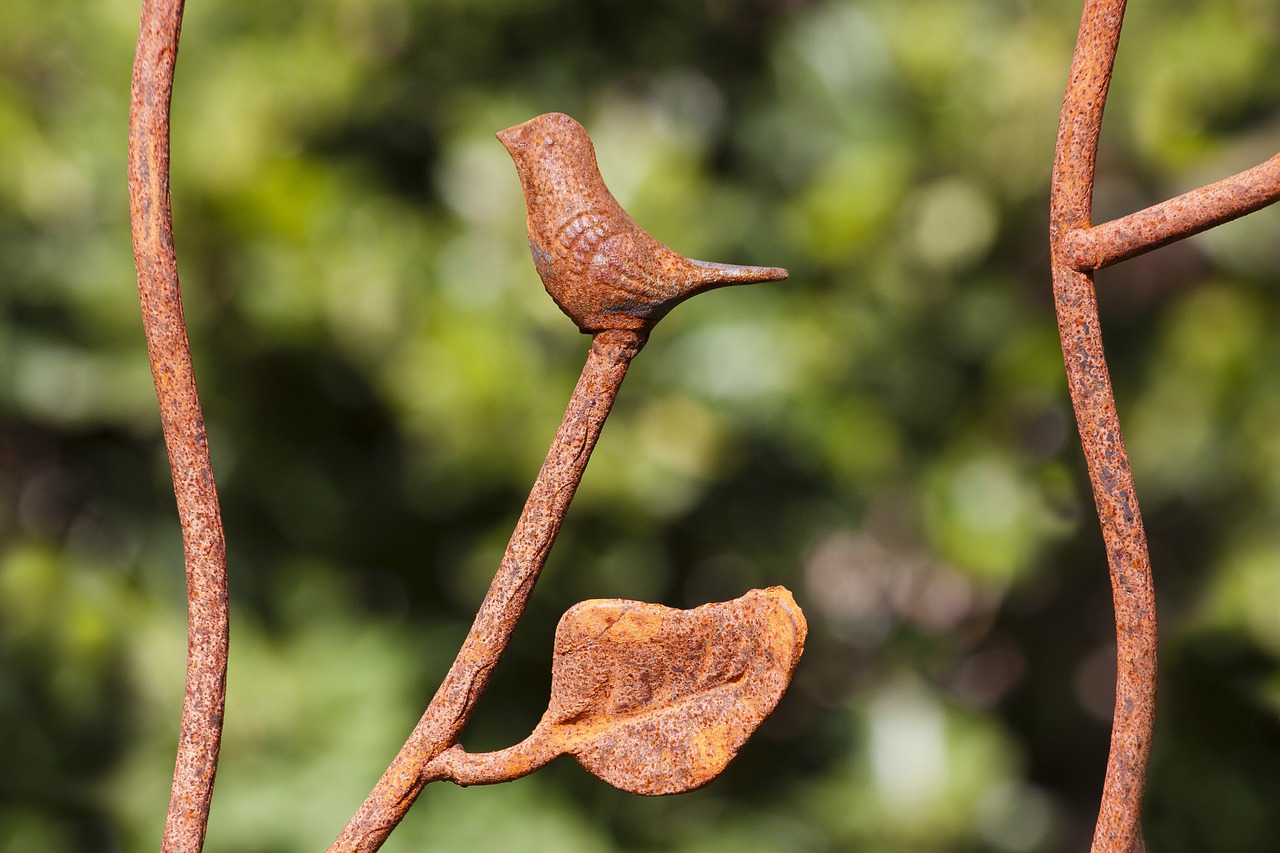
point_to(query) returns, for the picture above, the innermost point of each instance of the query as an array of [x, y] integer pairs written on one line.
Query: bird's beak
[[514, 139]]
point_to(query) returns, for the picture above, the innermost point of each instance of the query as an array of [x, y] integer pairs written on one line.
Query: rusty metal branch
[[607, 363], [183, 424], [615, 282], [1118, 828], [1190, 213], [1076, 250]]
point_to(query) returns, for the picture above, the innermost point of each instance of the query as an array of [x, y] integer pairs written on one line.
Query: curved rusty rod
[[597, 388], [1179, 217], [202, 538], [1118, 827]]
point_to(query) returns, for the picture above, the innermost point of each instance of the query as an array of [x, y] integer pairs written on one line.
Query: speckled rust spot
[[600, 267], [651, 699]]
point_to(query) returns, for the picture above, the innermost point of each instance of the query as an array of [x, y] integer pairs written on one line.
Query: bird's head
[[552, 148]]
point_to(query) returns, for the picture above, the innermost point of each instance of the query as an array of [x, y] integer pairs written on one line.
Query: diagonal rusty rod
[[1161, 224], [1075, 301], [203, 544], [597, 388]]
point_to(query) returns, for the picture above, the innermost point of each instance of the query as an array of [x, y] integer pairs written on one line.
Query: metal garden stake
[[712, 674]]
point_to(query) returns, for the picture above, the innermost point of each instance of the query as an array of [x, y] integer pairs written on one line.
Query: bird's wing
[[639, 270], [603, 248], [578, 236]]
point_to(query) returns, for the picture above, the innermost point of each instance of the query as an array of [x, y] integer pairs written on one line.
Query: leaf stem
[[464, 768]]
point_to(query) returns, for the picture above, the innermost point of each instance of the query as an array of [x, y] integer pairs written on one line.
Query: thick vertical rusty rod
[[1118, 827], [607, 363], [167, 346]]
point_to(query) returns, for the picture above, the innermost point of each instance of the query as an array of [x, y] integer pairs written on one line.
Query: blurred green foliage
[[887, 433]]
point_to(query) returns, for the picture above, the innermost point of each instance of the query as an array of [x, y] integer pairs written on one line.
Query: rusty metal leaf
[[651, 699], [655, 700]]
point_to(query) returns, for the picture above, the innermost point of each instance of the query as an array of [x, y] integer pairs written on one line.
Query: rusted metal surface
[[1169, 221], [1118, 827], [579, 238], [183, 424], [1076, 250], [610, 356], [600, 267], [650, 699]]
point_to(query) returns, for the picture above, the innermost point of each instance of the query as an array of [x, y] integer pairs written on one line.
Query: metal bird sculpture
[[601, 268]]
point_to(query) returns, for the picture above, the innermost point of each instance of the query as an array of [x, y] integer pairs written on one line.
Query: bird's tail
[[712, 274]]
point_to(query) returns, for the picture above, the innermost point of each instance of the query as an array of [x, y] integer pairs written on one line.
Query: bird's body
[[601, 268]]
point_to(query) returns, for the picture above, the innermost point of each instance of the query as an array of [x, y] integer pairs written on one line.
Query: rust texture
[[1169, 221], [183, 424], [579, 238], [600, 267], [607, 363], [650, 699], [1133, 594], [1076, 250]]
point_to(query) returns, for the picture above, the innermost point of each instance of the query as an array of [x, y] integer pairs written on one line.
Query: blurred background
[[888, 433]]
